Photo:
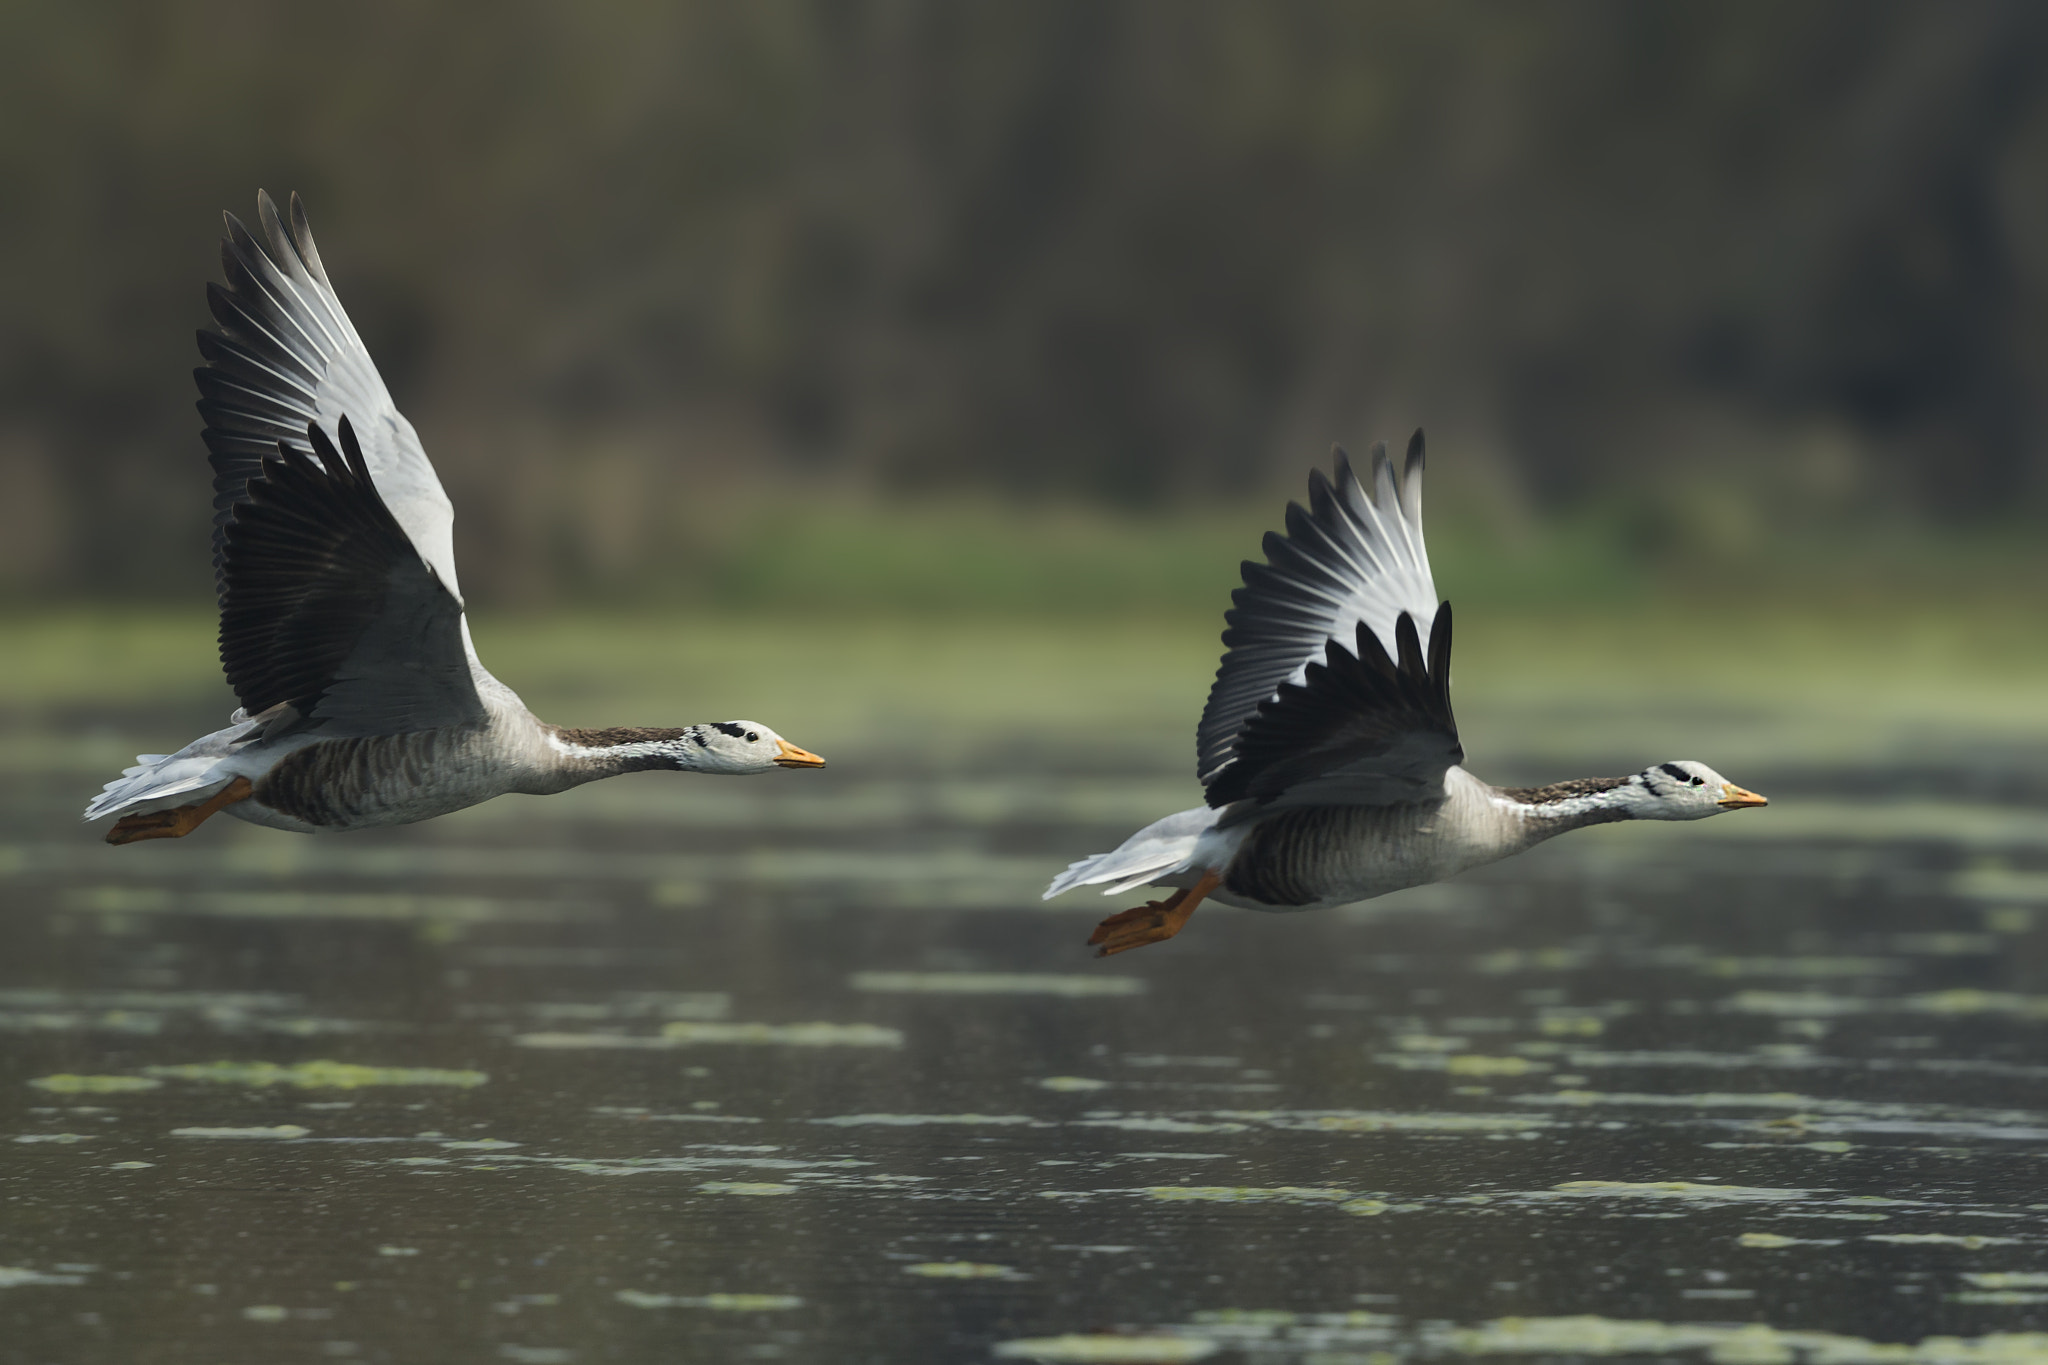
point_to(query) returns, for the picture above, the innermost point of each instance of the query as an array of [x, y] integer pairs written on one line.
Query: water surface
[[800, 1069]]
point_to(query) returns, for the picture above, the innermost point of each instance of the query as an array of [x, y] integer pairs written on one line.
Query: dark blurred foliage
[[1151, 253]]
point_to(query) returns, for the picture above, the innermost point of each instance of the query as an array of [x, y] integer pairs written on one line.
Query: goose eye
[[752, 737], [1699, 782]]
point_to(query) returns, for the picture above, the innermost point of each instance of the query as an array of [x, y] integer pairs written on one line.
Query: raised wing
[[326, 606], [1360, 729], [1346, 562], [287, 357]]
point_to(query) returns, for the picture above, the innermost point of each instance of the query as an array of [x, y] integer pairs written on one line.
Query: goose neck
[[1561, 806], [587, 755]]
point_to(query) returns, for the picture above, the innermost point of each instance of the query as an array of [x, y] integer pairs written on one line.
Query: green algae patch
[[1772, 1241], [759, 1189], [1477, 1064], [2008, 1279], [688, 1034], [963, 1270], [1967, 1241], [1072, 1084], [1754, 1344], [316, 1075], [923, 1120], [13, 1276], [282, 1130], [1075, 1349], [67, 1083], [1249, 1194], [997, 983], [787, 1035], [718, 1303], [1676, 1189]]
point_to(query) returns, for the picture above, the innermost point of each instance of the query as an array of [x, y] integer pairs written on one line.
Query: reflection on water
[[805, 1071]]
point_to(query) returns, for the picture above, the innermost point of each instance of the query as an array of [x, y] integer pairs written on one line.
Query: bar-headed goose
[[1328, 751], [341, 626]]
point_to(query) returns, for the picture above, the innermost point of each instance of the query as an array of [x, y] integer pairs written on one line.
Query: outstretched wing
[[326, 606], [1360, 729], [1349, 562], [287, 357]]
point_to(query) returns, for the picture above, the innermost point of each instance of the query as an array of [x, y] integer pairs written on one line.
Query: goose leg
[[179, 821], [1152, 922]]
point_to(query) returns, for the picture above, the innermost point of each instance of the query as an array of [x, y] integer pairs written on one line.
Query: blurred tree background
[[722, 299]]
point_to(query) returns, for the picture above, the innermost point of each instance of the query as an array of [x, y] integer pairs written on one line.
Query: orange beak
[[787, 755], [1735, 798]]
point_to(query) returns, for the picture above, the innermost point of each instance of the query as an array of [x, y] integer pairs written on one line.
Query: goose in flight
[[1328, 752], [341, 625]]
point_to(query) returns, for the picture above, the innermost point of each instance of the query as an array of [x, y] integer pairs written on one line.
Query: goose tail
[[1161, 849], [162, 781]]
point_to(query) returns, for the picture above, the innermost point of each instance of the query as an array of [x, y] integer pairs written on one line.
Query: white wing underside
[[325, 373]]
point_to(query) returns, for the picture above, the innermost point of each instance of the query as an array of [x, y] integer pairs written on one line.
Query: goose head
[[1683, 790], [741, 746]]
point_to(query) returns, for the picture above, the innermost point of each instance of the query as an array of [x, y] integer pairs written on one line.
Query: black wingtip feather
[[1417, 457], [306, 553], [1348, 705]]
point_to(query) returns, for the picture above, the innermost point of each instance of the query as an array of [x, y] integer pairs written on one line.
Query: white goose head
[[740, 746], [1682, 790]]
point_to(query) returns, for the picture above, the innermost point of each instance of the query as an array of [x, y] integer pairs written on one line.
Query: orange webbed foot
[[179, 821], [1152, 922]]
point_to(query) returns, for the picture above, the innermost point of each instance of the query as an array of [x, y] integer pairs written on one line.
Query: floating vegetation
[[1771, 1241], [1072, 1084], [317, 1075], [757, 1188], [1968, 1241], [786, 1035], [1377, 1121], [1107, 1350], [997, 983], [718, 1303], [926, 1120], [1249, 1194], [1152, 1123], [65, 1083], [642, 1115], [1674, 1189], [1348, 1201], [1726, 1345], [282, 1130], [690, 1034], [1462, 1064], [14, 1276], [963, 1270], [1955, 1003]]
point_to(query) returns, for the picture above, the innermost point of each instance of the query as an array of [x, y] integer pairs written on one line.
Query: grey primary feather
[[327, 608], [286, 356], [1347, 561]]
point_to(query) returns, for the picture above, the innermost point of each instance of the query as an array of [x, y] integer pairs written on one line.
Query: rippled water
[[800, 1069]]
